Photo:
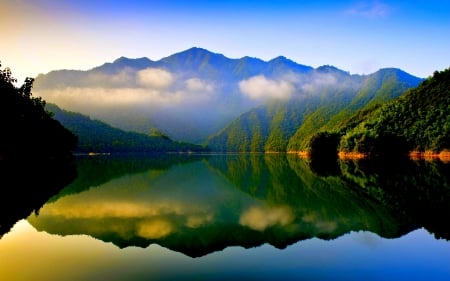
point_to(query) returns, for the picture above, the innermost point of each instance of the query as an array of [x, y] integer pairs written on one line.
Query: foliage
[[418, 120], [324, 145], [25, 125], [97, 136], [289, 125]]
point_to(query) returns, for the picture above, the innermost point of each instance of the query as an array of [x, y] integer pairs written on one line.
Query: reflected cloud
[[93, 209], [196, 221], [259, 218], [321, 225], [154, 229]]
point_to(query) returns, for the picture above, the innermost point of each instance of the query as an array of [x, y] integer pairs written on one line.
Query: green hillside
[[419, 120], [97, 136], [289, 125]]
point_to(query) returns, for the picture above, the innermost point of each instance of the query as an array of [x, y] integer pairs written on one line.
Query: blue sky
[[359, 36]]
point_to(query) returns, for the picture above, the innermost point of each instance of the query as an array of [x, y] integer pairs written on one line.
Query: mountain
[[97, 136], [194, 94], [418, 120], [329, 97], [189, 95]]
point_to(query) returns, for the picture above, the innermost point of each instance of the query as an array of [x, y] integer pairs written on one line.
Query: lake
[[225, 217]]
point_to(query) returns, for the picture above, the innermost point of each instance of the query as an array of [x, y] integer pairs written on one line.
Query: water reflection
[[200, 204], [27, 183], [417, 190]]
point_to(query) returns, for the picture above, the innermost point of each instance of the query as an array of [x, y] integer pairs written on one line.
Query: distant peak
[[330, 69], [125, 59], [280, 58], [197, 51]]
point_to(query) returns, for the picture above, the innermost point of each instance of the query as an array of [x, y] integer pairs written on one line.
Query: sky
[[358, 36]]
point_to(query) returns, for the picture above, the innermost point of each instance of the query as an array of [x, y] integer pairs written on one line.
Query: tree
[[26, 127]]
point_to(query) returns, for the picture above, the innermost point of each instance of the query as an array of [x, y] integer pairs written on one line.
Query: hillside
[[419, 120], [27, 129], [331, 97], [188, 95], [194, 94], [97, 136]]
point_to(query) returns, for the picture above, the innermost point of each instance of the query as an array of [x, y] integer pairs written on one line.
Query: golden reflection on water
[[261, 217], [22, 251]]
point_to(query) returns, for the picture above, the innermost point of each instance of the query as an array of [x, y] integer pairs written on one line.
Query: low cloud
[[372, 9], [154, 78], [198, 85], [260, 87], [319, 81], [123, 79]]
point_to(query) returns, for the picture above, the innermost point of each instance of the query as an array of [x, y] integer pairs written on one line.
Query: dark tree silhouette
[[26, 128]]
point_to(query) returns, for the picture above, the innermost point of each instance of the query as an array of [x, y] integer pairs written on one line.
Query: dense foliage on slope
[[97, 136], [188, 95], [418, 120], [27, 129], [289, 125]]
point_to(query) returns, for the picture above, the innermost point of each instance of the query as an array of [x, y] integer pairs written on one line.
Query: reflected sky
[[26, 254]]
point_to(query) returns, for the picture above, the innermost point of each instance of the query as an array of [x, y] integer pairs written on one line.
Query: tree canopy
[[26, 127]]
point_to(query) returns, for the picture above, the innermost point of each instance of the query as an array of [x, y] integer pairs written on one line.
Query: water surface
[[252, 217]]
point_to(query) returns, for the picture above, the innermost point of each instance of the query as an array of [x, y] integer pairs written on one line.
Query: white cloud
[[259, 87], [154, 78], [125, 78], [373, 9], [198, 85], [318, 81]]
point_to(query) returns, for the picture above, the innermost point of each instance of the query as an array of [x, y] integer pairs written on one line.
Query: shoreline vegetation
[[414, 125], [443, 156]]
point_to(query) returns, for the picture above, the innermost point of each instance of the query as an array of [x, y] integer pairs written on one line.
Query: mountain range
[[202, 97]]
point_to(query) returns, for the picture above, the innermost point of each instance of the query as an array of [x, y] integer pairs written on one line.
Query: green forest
[[385, 113], [419, 120], [290, 125], [97, 136], [32, 127], [387, 116]]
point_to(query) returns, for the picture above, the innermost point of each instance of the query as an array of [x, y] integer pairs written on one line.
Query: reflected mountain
[[201, 204], [27, 184], [95, 171]]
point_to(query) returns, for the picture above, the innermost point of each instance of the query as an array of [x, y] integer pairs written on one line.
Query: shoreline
[[443, 156]]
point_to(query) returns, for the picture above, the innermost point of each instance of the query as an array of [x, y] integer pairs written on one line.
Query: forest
[[27, 128], [417, 121]]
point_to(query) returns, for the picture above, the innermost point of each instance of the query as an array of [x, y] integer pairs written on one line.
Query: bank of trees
[[419, 120], [26, 127]]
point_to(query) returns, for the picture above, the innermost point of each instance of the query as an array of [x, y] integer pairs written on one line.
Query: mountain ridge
[[190, 95]]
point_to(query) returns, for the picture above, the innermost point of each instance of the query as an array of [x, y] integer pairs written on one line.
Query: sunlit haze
[[358, 36]]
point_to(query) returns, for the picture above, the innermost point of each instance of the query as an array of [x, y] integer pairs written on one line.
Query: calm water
[[225, 217]]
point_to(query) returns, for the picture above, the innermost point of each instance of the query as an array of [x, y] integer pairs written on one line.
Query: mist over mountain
[[329, 97], [194, 94], [99, 137]]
